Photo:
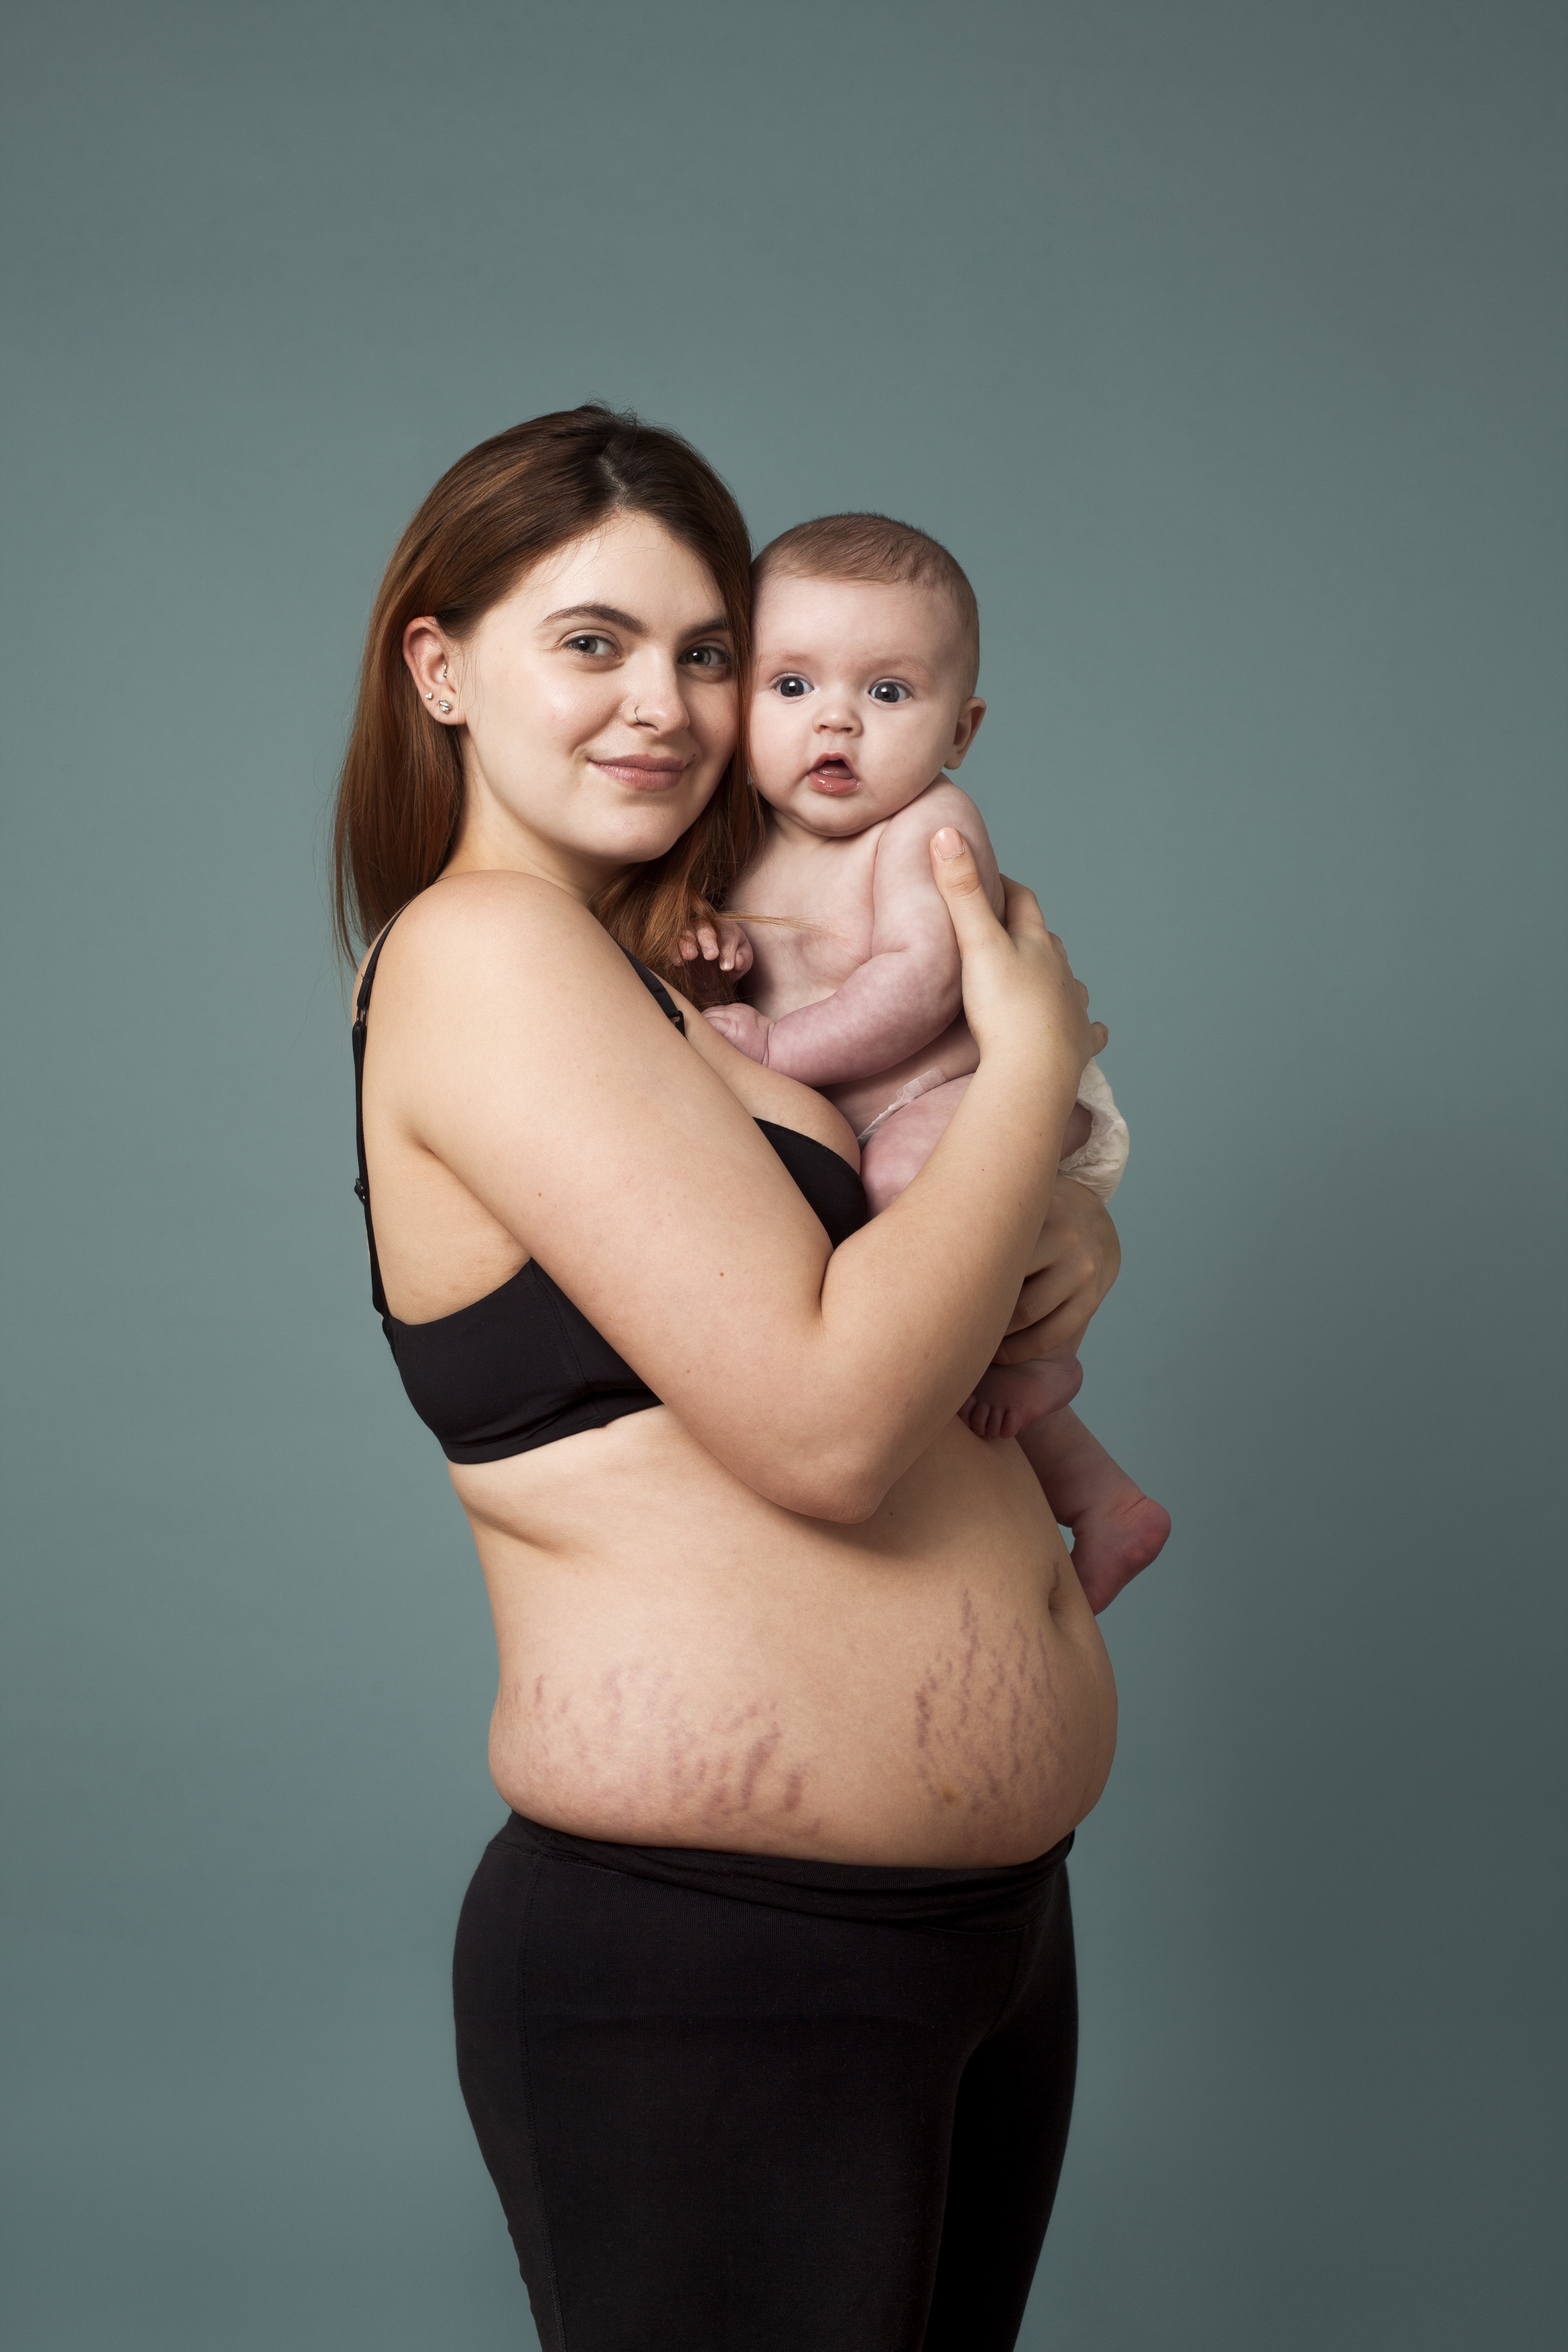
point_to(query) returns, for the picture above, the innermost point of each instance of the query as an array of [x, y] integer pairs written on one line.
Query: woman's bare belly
[[683, 1664]]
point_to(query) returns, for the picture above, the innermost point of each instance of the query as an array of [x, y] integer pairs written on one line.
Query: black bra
[[523, 1366]]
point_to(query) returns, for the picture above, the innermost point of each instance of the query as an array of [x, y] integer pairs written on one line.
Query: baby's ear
[[966, 730]]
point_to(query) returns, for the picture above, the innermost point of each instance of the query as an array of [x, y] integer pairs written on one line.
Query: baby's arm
[[906, 991]]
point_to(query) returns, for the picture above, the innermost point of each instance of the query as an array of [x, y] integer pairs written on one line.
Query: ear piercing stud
[[443, 705]]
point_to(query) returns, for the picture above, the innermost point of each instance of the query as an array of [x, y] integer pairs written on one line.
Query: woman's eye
[[888, 689], [591, 645], [791, 688], [713, 657]]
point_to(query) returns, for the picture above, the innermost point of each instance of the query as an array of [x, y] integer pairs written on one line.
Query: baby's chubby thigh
[[899, 1149]]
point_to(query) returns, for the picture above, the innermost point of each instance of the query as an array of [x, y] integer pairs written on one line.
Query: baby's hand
[[743, 1025], [722, 942]]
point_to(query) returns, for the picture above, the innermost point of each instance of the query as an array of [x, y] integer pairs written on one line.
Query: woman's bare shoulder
[[491, 938]]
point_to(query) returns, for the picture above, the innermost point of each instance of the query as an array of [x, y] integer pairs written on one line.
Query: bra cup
[[523, 1365]]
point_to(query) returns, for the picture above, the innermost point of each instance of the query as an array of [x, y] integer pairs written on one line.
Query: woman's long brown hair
[[499, 511]]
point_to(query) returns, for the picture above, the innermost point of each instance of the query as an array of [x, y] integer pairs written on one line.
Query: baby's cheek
[[769, 736]]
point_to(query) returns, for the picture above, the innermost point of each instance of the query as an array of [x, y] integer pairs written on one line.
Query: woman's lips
[[644, 775]]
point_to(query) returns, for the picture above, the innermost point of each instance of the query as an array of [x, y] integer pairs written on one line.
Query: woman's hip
[[732, 2100]]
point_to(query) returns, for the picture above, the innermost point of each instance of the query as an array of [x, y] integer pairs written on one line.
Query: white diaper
[[1096, 1165], [917, 1086]]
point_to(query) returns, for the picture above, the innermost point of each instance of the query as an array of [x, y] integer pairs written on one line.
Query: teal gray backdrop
[[1221, 340]]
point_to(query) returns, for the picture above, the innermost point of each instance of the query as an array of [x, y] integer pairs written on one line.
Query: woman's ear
[[966, 731], [429, 659]]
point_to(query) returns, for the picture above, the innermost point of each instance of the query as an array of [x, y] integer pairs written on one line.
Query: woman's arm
[[521, 1049], [1076, 1260]]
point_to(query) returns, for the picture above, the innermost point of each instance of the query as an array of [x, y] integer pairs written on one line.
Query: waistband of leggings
[[973, 1902]]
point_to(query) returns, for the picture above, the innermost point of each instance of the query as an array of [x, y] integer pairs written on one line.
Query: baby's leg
[[894, 1156], [1116, 1529], [1010, 1398]]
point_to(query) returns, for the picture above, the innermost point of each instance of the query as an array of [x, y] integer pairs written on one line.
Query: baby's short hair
[[875, 547]]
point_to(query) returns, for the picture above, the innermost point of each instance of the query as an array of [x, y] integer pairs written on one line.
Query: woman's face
[[600, 705]]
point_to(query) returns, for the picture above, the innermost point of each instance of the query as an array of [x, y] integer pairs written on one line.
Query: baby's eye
[[791, 686], [708, 658], [889, 689], [591, 644]]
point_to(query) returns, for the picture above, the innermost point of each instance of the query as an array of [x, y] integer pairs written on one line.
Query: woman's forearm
[[910, 1312], [925, 1292]]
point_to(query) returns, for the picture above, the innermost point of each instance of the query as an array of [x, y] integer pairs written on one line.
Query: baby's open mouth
[[832, 775]]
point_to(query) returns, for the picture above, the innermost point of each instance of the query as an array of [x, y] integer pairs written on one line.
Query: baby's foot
[[1011, 1397], [1117, 1528], [1114, 1540]]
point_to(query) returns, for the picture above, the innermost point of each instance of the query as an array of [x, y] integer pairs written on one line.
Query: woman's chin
[[641, 830]]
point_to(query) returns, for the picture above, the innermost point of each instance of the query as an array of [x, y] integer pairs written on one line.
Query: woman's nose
[[654, 698]]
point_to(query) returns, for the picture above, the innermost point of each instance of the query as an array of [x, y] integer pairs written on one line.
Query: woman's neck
[[489, 844]]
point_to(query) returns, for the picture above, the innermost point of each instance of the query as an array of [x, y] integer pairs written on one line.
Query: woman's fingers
[[1010, 970], [1021, 911], [959, 880]]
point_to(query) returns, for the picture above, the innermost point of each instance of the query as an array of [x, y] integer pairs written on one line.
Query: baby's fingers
[[704, 941]]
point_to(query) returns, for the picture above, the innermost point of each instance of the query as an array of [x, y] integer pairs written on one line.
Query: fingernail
[[949, 842]]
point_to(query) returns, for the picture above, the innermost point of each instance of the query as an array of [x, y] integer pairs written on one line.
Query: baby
[[867, 649]]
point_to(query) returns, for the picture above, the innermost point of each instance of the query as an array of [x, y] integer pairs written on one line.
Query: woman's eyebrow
[[619, 620], [610, 612]]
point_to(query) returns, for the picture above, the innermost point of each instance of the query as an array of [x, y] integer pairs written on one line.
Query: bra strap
[[655, 987], [361, 1181]]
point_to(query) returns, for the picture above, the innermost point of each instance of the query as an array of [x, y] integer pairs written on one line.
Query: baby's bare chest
[[811, 914]]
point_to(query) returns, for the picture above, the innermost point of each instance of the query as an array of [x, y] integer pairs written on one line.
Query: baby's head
[[867, 640]]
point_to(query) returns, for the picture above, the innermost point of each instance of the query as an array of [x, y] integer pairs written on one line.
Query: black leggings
[[735, 2104]]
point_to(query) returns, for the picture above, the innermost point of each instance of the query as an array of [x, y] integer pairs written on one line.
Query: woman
[[764, 1994]]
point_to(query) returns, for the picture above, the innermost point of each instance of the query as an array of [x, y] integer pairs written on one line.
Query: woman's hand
[[1077, 1258], [1017, 978]]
